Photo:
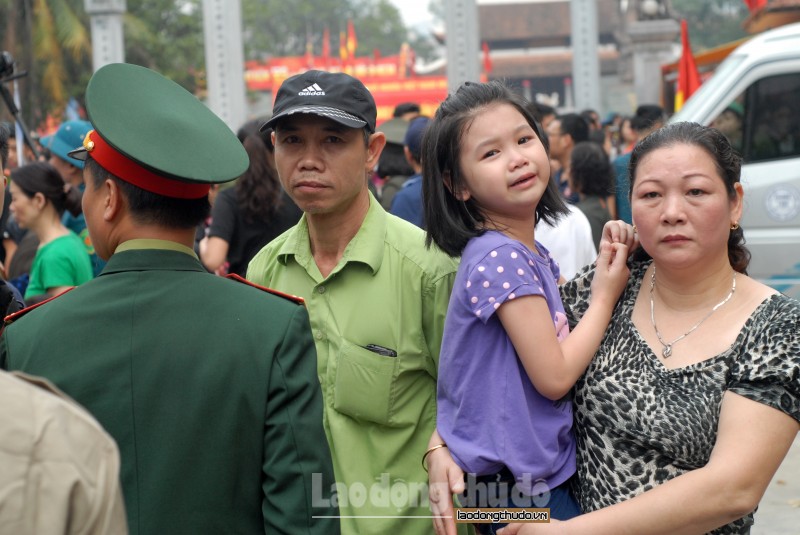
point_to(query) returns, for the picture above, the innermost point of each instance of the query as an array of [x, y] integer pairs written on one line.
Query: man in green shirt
[[376, 298]]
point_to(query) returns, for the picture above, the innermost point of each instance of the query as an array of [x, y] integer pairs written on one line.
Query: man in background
[[10, 297], [564, 133], [408, 201]]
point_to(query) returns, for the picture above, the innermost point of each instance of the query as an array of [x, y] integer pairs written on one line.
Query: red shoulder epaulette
[[290, 297], [11, 318]]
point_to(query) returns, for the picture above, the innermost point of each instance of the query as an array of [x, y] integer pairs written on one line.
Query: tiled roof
[[543, 65], [539, 21]]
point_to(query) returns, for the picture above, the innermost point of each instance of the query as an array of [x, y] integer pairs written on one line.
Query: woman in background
[[38, 200], [250, 214]]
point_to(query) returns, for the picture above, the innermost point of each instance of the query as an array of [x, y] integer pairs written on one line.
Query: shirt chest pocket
[[363, 388]]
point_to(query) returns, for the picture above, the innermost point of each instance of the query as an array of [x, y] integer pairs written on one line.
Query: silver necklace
[[667, 350]]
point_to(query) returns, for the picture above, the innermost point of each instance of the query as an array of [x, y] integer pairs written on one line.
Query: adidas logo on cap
[[311, 90]]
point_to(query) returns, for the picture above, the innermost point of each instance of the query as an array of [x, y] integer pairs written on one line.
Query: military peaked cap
[[152, 133]]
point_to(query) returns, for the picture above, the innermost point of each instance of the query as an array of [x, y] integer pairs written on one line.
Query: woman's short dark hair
[[451, 222], [726, 160], [151, 208], [590, 169], [41, 177]]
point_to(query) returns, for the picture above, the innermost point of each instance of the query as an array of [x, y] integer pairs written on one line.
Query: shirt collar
[[150, 243], [365, 247]]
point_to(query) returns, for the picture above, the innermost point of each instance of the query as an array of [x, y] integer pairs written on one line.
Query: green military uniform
[[208, 385]]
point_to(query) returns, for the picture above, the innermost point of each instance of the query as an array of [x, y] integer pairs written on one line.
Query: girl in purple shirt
[[506, 364]]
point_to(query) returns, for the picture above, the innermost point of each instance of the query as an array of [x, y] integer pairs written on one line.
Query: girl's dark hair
[[151, 208], [450, 222], [591, 170], [41, 177], [725, 158], [258, 190]]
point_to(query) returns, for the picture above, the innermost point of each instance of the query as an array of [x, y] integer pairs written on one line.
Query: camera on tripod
[[6, 64]]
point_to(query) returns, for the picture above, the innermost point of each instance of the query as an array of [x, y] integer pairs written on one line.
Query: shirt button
[[321, 289], [319, 335]]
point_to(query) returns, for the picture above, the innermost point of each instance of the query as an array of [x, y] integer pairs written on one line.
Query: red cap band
[[133, 173]]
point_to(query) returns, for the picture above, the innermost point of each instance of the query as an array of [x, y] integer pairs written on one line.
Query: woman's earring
[[635, 230], [734, 226]]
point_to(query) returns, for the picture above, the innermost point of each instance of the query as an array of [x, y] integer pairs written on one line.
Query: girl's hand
[[620, 232], [611, 273], [445, 478]]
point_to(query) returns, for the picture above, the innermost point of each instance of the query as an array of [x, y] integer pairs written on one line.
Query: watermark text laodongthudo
[[464, 515]]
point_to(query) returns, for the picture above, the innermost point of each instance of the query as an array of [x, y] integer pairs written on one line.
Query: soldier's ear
[[113, 200]]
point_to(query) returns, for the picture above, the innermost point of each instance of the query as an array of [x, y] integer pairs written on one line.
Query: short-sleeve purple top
[[489, 413]]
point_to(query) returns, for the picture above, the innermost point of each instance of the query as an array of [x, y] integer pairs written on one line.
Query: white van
[[754, 98]]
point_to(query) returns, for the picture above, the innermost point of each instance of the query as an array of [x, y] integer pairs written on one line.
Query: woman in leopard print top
[[693, 399]]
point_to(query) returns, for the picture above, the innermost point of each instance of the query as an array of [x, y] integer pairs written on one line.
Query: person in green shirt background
[[69, 135], [38, 201], [376, 298]]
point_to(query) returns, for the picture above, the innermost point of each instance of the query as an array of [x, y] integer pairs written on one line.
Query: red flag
[[342, 46], [688, 76], [352, 42], [487, 60], [755, 5], [326, 44]]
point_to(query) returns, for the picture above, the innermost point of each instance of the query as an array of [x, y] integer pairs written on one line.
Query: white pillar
[[585, 63], [222, 28], [462, 35], [107, 33]]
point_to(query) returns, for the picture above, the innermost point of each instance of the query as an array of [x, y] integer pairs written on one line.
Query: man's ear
[[377, 142]]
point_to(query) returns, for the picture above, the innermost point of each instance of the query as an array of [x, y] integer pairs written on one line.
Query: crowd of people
[[328, 325]]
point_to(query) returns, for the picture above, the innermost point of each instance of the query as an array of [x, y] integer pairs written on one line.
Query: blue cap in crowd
[[68, 137], [413, 139]]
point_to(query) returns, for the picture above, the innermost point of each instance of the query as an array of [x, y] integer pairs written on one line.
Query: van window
[[771, 119]]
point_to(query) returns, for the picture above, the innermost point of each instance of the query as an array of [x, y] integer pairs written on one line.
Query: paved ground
[[779, 512]]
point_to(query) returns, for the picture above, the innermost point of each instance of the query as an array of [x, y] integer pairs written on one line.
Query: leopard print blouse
[[639, 424]]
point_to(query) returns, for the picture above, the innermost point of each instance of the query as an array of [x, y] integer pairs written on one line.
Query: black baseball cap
[[335, 95]]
